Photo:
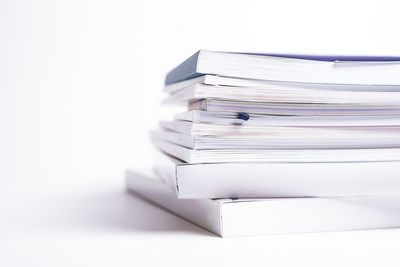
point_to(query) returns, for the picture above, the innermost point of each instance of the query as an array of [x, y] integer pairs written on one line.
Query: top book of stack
[[361, 70]]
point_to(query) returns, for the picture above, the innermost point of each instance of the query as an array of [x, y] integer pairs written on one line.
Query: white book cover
[[294, 109], [221, 81], [333, 141], [251, 217], [277, 155], [194, 128], [252, 179], [282, 94], [229, 118]]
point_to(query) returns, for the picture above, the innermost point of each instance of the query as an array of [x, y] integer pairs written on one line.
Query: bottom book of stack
[[246, 217]]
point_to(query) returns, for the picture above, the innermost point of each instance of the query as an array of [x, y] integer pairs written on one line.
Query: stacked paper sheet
[[288, 126]]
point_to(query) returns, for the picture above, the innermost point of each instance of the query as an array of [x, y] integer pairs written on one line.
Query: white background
[[80, 86]]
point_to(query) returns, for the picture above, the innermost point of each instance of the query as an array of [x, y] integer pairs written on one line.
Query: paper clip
[[243, 116]]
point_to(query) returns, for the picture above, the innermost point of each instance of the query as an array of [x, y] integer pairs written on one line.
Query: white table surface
[[106, 226]]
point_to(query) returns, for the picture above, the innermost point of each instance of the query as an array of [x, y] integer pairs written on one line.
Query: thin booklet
[[278, 155], [218, 105], [220, 81], [225, 117], [332, 141], [281, 93]]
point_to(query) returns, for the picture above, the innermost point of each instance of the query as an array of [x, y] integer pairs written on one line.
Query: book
[[249, 217], [293, 109], [277, 155], [333, 140], [221, 81], [280, 93], [290, 68], [271, 131], [224, 117], [275, 179]]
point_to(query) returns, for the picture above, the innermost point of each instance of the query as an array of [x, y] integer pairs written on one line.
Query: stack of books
[[279, 144]]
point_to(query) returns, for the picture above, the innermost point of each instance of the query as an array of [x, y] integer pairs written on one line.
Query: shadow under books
[[124, 211]]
